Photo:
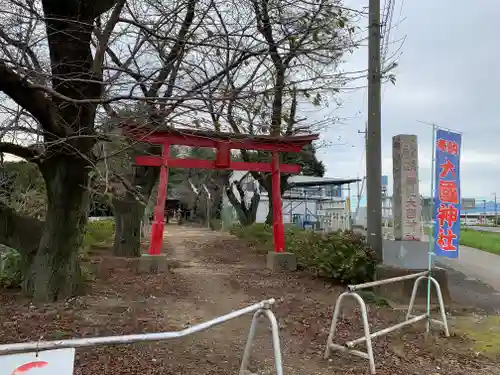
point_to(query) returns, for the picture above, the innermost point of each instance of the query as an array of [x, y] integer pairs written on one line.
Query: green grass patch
[[99, 233], [216, 224], [484, 332], [487, 241]]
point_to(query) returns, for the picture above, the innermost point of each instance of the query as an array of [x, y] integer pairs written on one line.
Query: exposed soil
[[216, 274]]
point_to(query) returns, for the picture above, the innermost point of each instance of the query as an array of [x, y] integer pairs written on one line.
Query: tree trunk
[[269, 217], [22, 233], [129, 214], [246, 216], [254, 207], [55, 271], [128, 219]]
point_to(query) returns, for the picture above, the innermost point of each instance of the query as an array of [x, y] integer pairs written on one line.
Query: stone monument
[[406, 254], [406, 205]]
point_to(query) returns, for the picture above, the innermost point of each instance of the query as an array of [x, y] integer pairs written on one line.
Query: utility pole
[[373, 136], [496, 209]]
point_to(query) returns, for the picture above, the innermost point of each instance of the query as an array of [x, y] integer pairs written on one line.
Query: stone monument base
[[281, 261], [398, 294], [153, 264]]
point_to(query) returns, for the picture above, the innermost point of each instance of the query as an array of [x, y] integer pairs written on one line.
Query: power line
[[386, 28]]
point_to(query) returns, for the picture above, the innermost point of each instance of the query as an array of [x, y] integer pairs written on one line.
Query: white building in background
[[317, 202]]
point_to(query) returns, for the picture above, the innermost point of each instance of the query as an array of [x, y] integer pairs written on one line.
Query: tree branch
[[238, 205], [124, 66], [293, 113], [104, 37], [24, 94], [177, 50], [177, 101], [27, 153], [24, 47]]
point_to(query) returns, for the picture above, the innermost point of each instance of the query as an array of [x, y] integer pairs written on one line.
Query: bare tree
[[59, 72], [64, 66], [171, 75], [301, 67], [246, 205], [47, 69], [249, 96]]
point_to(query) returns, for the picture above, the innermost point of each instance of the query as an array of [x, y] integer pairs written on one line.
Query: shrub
[[87, 274], [10, 267], [304, 244], [346, 257], [256, 234], [216, 224], [341, 256], [237, 230], [99, 233]]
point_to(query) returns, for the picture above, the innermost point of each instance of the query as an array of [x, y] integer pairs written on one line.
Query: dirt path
[[215, 275], [218, 276], [211, 283], [227, 277]]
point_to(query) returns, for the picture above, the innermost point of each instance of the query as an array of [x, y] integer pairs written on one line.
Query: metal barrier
[[335, 221], [368, 336], [260, 309]]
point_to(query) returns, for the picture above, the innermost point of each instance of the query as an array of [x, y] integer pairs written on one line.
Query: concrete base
[[398, 294], [281, 261], [153, 264], [413, 255]]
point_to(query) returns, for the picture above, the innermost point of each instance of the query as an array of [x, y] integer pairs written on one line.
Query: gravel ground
[[214, 275]]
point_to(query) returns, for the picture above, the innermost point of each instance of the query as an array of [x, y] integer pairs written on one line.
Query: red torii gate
[[223, 143]]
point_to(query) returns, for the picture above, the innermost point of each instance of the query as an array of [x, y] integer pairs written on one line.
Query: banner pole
[[431, 232]]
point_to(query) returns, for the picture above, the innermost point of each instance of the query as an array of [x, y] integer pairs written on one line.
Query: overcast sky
[[447, 76]]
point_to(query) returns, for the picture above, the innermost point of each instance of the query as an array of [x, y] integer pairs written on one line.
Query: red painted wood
[[155, 161], [223, 143], [223, 156], [148, 161], [158, 225], [278, 227], [281, 146]]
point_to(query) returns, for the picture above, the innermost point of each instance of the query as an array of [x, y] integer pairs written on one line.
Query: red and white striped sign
[[50, 362]]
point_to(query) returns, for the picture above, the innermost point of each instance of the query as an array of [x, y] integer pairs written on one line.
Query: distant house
[[308, 201]]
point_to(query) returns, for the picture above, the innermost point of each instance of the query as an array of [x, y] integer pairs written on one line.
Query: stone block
[[399, 293], [103, 267], [412, 255], [153, 264], [281, 261]]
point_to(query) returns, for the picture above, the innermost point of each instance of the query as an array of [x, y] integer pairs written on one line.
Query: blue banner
[[447, 200]]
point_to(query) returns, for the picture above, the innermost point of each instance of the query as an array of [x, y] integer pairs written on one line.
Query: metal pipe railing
[[368, 336], [353, 288], [387, 330], [128, 339]]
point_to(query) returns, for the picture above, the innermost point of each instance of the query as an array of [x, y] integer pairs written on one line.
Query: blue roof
[[481, 208]]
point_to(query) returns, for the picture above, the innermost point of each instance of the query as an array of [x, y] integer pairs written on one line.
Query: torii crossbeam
[[223, 143]]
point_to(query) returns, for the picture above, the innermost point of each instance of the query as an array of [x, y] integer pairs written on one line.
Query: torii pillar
[[223, 143]]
